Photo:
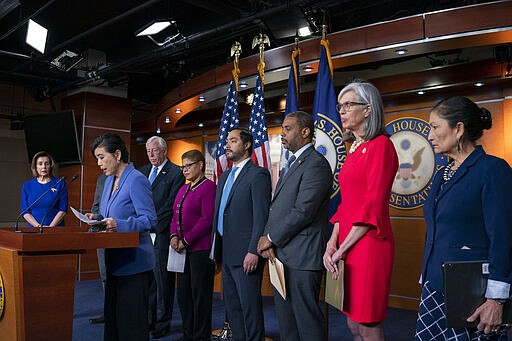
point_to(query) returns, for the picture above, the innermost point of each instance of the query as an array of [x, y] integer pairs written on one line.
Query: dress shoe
[[156, 334], [96, 320]]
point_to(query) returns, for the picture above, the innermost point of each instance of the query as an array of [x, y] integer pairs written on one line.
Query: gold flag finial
[[236, 50], [260, 40]]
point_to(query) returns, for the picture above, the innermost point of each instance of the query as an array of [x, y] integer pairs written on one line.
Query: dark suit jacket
[[245, 214], [470, 218], [164, 189], [298, 216]]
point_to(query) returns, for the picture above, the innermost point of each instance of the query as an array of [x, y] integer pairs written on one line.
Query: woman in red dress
[[362, 233]]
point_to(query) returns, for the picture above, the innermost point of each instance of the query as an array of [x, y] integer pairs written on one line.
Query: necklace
[[355, 145], [449, 171]]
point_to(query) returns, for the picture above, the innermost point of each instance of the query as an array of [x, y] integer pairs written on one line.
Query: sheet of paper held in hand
[[276, 272], [84, 218], [334, 287], [176, 260]]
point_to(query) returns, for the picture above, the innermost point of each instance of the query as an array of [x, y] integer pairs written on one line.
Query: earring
[[118, 161], [459, 146]]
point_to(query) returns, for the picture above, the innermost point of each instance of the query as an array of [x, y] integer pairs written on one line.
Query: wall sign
[[2, 299], [417, 162]]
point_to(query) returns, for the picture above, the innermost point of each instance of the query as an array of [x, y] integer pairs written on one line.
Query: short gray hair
[[161, 142], [368, 93]]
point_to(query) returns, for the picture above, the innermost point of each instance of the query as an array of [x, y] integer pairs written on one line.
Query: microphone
[[33, 203], [55, 202]]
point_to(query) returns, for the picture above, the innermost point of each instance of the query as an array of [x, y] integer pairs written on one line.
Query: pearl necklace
[[448, 171], [355, 145]]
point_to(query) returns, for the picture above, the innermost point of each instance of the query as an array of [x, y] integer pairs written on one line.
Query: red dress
[[365, 181]]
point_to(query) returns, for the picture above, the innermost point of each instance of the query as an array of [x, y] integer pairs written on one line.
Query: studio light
[[401, 51], [201, 125], [243, 84], [36, 36], [421, 92], [305, 31], [154, 28], [201, 98], [479, 84], [158, 130], [177, 111], [66, 60], [167, 119]]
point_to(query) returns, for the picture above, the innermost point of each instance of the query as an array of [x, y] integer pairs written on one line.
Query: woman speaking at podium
[[53, 212], [126, 206]]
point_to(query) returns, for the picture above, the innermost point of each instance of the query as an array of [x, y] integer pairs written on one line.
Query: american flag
[[228, 121], [258, 128]]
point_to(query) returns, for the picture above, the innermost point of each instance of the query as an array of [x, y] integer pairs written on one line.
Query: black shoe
[[156, 334], [97, 320]]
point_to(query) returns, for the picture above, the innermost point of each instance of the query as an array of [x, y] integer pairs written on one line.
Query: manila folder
[[334, 287], [276, 272]]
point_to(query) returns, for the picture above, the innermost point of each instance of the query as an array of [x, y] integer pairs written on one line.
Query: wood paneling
[[471, 18], [9, 328]]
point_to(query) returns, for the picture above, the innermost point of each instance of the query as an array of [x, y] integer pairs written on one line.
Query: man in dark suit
[[241, 210], [166, 178], [294, 232]]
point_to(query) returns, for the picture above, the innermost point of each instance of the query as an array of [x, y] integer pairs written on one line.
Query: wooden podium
[[39, 274]]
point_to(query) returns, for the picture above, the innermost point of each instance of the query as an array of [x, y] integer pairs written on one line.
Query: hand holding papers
[[334, 287], [96, 225], [276, 271], [176, 260]]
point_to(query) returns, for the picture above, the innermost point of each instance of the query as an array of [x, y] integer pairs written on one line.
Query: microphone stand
[[33, 203], [55, 202]]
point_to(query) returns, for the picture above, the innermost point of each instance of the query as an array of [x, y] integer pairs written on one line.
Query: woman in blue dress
[[47, 207]]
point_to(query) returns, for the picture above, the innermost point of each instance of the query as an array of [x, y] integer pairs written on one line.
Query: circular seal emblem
[[329, 143], [417, 162], [2, 299]]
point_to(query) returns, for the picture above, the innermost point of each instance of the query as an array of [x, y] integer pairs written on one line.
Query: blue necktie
[[224, 199], [153, 175], [288, 165]]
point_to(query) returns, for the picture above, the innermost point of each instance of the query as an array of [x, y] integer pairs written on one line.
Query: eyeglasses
[[347, 106], [187, 166]]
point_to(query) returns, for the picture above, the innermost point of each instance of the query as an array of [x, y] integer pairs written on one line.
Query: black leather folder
[[465, 284]]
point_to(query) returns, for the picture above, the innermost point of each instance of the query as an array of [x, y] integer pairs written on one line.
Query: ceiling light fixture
[[167, 119], [201, 98], [154, 28], [401, 51], [243, 84], [479, 84], [36, 36], [305, 31], [158, 130], [307, 68], [201, 125], [177, 111], [421, 92]]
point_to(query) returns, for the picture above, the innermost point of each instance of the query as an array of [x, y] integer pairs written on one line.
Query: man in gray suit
[[241, 210], [294, 232]]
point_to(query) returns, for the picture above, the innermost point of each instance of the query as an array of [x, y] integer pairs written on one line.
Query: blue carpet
[[89, 303]]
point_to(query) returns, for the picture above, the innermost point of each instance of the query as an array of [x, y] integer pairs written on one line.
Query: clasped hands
[[331, 258], [177, 244], [266, 249]]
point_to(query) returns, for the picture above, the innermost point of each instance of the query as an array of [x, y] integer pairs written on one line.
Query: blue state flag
[[328, 134], [292, 102]]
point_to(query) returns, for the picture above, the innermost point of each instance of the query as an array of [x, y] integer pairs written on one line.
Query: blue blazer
[[131, 205], [470, 218], [245, 214]]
